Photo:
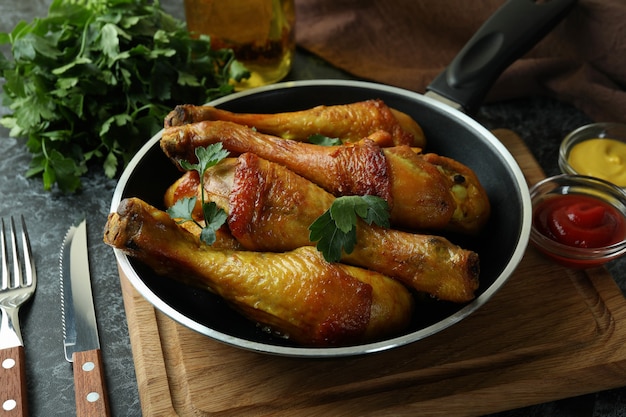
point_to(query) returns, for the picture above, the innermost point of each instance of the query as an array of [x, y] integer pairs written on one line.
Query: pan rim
[[355, 350]]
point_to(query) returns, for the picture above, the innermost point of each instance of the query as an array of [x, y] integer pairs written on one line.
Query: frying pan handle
[[507, 35]]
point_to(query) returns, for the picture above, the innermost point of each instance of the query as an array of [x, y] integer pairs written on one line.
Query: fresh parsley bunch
[[89, 83]]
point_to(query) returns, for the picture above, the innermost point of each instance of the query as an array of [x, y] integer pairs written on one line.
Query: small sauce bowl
[[587, 197], [596, 150]]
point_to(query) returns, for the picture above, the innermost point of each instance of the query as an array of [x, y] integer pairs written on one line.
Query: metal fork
[[16, 288]]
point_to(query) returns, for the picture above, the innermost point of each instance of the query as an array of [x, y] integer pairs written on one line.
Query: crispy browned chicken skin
[[347, 122], [420, 193], [472, 208], [418, 198], [271, 208], [296, 293]]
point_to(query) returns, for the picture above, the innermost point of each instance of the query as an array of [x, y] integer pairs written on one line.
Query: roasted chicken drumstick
[[297, 293], [347, 122], [419, 194], [270, 208]]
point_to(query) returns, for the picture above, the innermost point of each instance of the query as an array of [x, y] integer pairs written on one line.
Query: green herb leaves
[[335, 230], [89, 83], [322, 140], [207, 157], [214, 217]]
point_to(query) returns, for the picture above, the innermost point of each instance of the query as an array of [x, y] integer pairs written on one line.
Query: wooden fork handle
[[13, 395]]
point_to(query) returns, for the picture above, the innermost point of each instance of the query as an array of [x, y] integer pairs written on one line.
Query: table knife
[[80, 331]]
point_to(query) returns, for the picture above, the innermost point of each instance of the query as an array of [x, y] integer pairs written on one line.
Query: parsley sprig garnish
[[92, 81], [335, 230], [214, 217]]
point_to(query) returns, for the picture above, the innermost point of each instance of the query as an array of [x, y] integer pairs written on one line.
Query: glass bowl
[[580, 222], [604, 156]]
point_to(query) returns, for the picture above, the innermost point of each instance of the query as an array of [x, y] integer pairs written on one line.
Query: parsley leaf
[[214, 217], [92, 81], [182, 209], [335, 230], [207, 157], [322, 140], [377, 210]]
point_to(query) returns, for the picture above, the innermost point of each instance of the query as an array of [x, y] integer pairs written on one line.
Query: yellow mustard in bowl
[[601, 158]]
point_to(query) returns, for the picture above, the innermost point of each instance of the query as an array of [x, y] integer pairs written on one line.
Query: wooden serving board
[[549, 333]]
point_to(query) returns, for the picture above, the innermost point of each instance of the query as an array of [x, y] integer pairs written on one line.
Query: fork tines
[[16, 279]]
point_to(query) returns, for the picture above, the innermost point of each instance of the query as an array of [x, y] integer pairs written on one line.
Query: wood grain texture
[[13, 393], [89, 384], [152, 379], [549, 333]]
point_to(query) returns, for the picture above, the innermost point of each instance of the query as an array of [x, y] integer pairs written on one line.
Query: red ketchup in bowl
[[579, 221]]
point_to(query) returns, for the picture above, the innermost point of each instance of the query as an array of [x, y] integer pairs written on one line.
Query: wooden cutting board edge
[[162, 393]]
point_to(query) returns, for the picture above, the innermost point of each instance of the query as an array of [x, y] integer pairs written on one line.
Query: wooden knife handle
[[13, 398], [89, 384]]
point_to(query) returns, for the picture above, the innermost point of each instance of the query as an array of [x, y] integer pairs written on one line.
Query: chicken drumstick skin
[[348, 122], [296, 293], [417, 193]]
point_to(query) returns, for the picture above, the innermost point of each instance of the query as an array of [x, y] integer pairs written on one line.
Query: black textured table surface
[[541, 122]]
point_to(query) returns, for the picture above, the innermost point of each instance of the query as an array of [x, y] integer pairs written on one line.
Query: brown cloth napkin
[[407, 43]]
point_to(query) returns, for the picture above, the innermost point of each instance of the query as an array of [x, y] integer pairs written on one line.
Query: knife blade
[[80, 330]]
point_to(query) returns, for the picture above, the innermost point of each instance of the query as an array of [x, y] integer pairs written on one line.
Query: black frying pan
[[449, 132]]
